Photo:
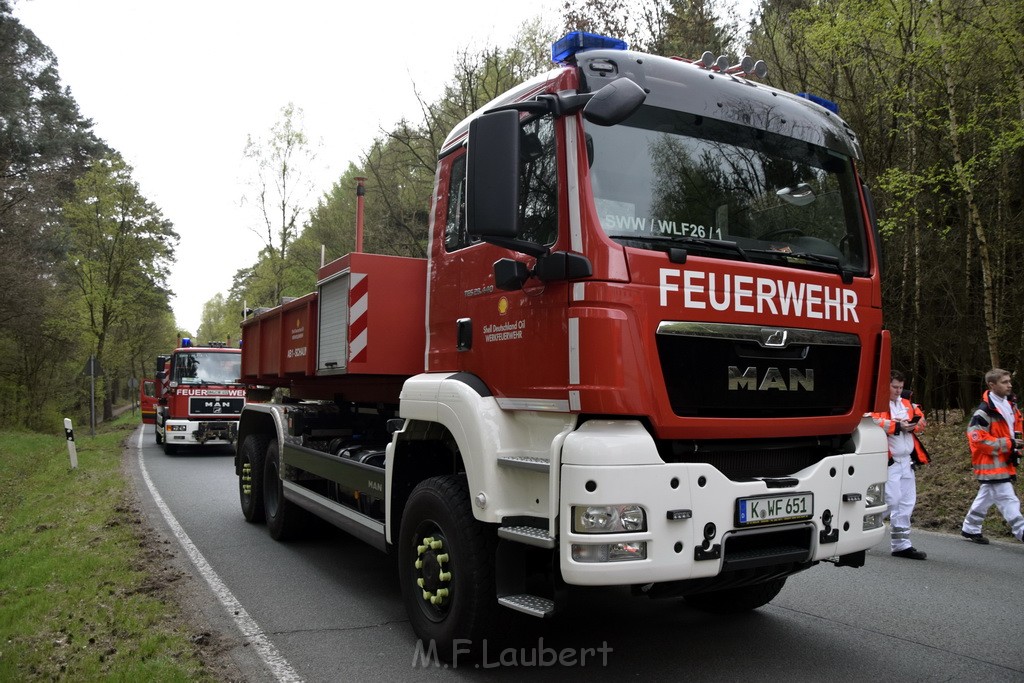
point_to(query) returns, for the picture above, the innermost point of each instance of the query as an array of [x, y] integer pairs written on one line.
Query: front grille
[[757, 372], [215, 405], [742, 460]]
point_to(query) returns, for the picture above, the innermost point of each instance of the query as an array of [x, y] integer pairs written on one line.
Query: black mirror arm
[[558, 104], [523, 247]]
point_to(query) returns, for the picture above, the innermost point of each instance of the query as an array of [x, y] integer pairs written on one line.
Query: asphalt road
[[329, 608]]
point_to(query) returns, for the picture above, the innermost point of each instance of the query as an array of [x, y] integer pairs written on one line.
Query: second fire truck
[[200, 396]]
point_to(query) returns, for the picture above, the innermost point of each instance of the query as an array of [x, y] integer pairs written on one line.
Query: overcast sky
[[176, 88]]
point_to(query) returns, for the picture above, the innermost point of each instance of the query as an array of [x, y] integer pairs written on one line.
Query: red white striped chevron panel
[[358, 297]]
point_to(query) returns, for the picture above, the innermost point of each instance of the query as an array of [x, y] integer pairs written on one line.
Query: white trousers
[[900, 496], [1002, 496]]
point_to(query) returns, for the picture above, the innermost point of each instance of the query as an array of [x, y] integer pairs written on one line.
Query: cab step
[[528, 535], [533, 605], [524, 462]]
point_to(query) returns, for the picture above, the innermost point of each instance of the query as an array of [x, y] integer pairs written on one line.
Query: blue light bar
[[821, 101], [186, 342], [565, 49]]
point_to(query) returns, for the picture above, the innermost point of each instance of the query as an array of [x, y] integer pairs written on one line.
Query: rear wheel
[[285, 519], [250, 478], [736, 600], [446, 566]]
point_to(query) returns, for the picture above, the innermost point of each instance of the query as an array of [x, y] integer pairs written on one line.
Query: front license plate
[[773, 509]]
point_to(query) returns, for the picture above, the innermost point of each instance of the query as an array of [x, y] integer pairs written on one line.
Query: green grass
[[77, 596]]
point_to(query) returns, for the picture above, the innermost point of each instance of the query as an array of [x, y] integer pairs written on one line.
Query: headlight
[[608, 519], [609, 552], [875, 495]]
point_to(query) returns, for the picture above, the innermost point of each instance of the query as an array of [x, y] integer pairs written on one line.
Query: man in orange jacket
[[902, 423], [994, 437]]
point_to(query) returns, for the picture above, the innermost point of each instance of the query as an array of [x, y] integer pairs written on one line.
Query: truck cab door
[[514, 339], [147, 401]]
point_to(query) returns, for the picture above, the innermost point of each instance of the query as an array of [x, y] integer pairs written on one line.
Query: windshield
[[666, 176], [207, 368]]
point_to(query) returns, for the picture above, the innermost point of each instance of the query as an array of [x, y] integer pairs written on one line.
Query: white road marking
[[277, 664]]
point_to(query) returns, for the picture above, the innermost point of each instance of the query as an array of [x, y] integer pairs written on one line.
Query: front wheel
[[446, 566], [250, 478], [736, 600]]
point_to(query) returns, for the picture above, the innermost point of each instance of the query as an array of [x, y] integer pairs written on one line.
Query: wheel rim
[[245, 481], [432, 571]]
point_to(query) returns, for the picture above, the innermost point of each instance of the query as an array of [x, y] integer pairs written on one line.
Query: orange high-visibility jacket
[[991, 442], [891, 426]]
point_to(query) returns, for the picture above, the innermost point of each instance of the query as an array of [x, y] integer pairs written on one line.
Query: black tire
[[736, 600], [442, 547], [159, 434], [251, 457], [169, 449], [285, 520]]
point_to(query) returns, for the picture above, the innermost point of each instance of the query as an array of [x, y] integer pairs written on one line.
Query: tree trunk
[[967, 187]]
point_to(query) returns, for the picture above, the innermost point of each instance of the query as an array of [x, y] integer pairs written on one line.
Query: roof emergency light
[[186, 342], [820, 101], [566, 48]]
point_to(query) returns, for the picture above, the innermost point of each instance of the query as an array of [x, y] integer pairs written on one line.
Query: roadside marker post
[[72, 451]]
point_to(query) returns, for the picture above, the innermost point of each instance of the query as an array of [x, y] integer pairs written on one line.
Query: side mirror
[[510, 275], [559, 266], [614, 103], [492, 175], [563, 265]]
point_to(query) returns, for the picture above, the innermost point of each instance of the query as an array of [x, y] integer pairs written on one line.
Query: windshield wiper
[[674, 244], [846, 275]]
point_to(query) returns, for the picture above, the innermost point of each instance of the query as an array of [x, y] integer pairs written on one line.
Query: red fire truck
[[640, 352], [200, 396]]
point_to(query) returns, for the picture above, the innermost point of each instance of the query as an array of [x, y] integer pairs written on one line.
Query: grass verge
[[78, 600]]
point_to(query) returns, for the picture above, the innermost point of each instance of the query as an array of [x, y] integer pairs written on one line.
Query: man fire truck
[[640, 352], [200, 396]]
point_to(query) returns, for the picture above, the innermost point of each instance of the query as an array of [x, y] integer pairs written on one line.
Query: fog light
[[609, 552], [875, 495], [627, 551], [608, 519], [873, 521]]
